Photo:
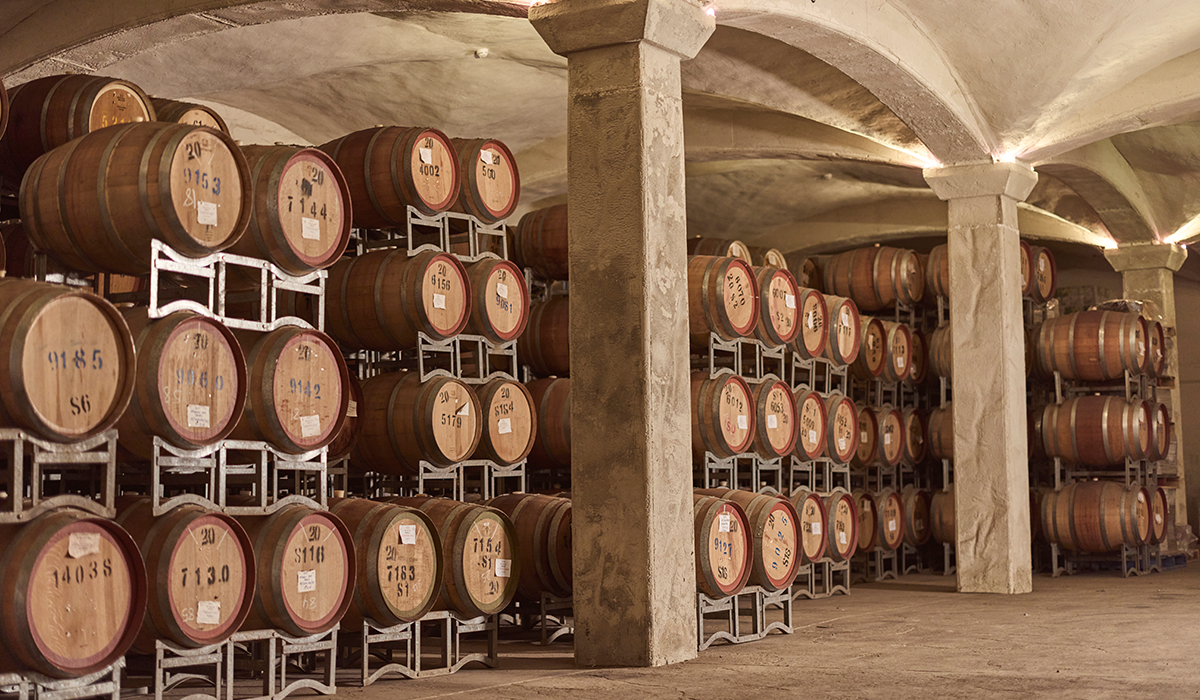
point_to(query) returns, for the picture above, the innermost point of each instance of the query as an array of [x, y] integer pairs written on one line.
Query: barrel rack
[[33, 686], [374, 641], [751, 603]]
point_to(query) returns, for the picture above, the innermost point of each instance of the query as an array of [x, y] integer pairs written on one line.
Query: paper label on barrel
[[842, 537], [310, 229], [812, 319], [208, 612], [486, 156], [812, 436], [743, 423], [891, 526], [206, 213], [816, 528], [465, 410], [502, 290], [887, 439], [408, 534], [863, 437], [306, 581], [772, 422], [724, 522], [197, 416], [900, 362], [439, 301], [845, 316], [504, 426], [789, 300], [310, 426], [1141, 498], [426, 155], [81, 544], [1041, 263], [841, 444], [503, 568], [352, 409], [1158, 518]]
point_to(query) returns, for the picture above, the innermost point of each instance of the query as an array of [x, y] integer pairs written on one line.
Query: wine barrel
[[1093, 345], [300, 217], [775, 415], [1039, 273], [845, 332], [74, 594], [941, 432], [886, 352], [937, 274], [813, 337], [1037, 532], [499, 300], [398, 555], [489, 183], [345, 440], [200, 573], [190, 383], [778, 310], [813, 437], [1096, 516], [406, 421], [920, 357], [381, 300], [842, 525], [814, 539], [916, 427], [480, 551], [891, 441], [540, 242], [188, 186], [876, 278], [775, 534], [890, 509], [723, 417], [547, 344], [806, 271], [941, 352], [510, 421], [724, 552], [187, 113], [46, 113], [1096, 431], [721, 248], [841, 443], [296, 389], [1156, 334], [552, 402], [1160, 508], [1160, 432], [941, 517], [916, 515], [307, 568], [868, 520], [390, 168], [70, 368], [722, 298], [767, 257], [866, 449], [543, 527]]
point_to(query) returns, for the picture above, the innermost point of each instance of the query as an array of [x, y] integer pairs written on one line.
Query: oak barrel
[[69, 369], [398, 555], [841, 432], [724, 552], [813, 435], [774, 533], [381, 300], [389, 168], [890, 444], [941, 352], [845, 332], [406, 421], [200, 572], [1160, 432], [813, 514], [916, 515], [547, 343], [306, 570], [543, 527], [868, 520], [345, 440], [806, 270], [866, 443], [187, 113], [1096, 516], [721, 248], [890, 520], [1096, 431], [296, 389], [1160, 508], [722, 298], [886, 352], [480, 551], [775, 414], [842, 526], [96, 203], [552, 405], [723, 416], [876, 278], [509, 423], [190, 382], [1093, 345], [814, 320], [539, 242], [499, 300], [920, 357], [941, 517], [1157, 364], [937, 274], [778, 308], [1039, 273], [941, 432], [768, 257], [489, 182], [916, 428]]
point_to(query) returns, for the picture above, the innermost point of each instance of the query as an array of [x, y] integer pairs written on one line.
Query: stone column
[[991, 463], [1148, 274], [631, 474]]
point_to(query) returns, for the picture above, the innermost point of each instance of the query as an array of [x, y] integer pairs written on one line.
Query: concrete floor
[[1089, 636]]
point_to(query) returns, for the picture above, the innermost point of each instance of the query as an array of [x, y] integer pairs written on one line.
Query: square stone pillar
[[631, 470], [991, 462], [1148, 274]]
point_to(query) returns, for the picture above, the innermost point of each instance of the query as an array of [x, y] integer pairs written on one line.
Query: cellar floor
[[1088, 636]]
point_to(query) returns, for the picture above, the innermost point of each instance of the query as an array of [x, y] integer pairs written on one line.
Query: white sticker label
[[891, 526], [352, 409], [503, 568], [197, 416], [502, 290], [845, 316], [310, 426], [887, 439], [208, 612], [81, 544], [772, 422], [1041, 263], [310, 229], [206, 213], [1141, 498], [842, 537], [439, 301], [841, 444], [816, 528], [724, 522], [1141, 347], [486, 156], [743, 423], [812, 320], [862, 437], [306, 581], [465, 410], [504, 426], [408, 534], [789, 300], [426, 155], [812, 436], [1158, 518], [900, 362]]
